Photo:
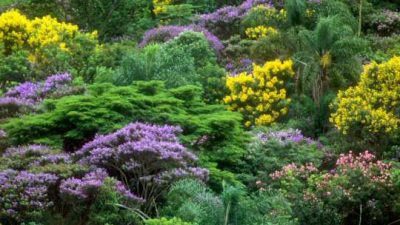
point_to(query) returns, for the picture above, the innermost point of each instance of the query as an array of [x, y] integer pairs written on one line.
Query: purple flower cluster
[[52, 159], [165, 33], [27, 151], [23, 193], [26, 96], [56, 83], [87, 187], [35, 92], [148, 155], [228, 14], [83, 189], [285, 137], [10, 106], [124, 191], [244, 65]]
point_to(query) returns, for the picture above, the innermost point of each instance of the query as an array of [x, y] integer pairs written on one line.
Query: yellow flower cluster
[[18, 32], [260, 32], [13, 30], [372, 105], [160, 6], [47, 31], [270, 12], [261, 96]]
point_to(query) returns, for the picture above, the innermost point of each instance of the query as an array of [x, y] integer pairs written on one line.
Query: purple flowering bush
[[35, 179], [225, 21], [147, 157], [23, 195], [27, 96], [166, 33], [75, 190]]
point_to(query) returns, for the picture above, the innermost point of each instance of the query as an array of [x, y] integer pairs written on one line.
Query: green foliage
[[213, 132], [107, 208], [179, 14], [328, 57], [264, 157], [165, 221], [193, 201], [137, 65], [296, 10], [187, 59], [14, 68], [110, 18]]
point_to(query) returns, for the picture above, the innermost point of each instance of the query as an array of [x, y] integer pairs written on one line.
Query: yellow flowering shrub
[[46, 41], [18, 32], [160, 6], [260, 32], [47, 31], [13, 30], [271, 12], [372, 105], [261, 96]]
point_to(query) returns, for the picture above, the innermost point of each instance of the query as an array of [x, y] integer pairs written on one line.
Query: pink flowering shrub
[[358, 182]]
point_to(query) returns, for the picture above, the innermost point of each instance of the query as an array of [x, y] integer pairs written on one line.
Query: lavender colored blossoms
[[284, 137], [23, 194], [26, 96], [148, 156], [87, 187], [165, 33]]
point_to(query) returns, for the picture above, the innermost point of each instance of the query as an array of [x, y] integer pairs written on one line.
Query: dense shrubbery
[[369, 110], [260, 96], [33, 48], [203, 112]]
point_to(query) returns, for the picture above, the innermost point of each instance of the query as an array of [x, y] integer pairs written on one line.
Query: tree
[[328, 57]]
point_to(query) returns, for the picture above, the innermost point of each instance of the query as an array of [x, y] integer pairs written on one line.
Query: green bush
[[272, 148], [194, 202], [187, 59]]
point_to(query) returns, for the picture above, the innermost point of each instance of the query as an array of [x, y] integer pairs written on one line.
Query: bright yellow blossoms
[[260, 32], [18, 32], [160, 6], [372, 105], [261, 96], [270, 13], [13, 30]]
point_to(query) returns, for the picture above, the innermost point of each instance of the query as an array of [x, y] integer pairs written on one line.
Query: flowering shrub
[[16, 31], [273, 148], [87, 188], [285, 137], [224, 21], [146, 156], [260, 96], [46, 41], [26, 96], [24, 195], [370, 107], [260, 32], [165, 33], [264, 15], [356, 181], [160, 5], [386, 22]]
